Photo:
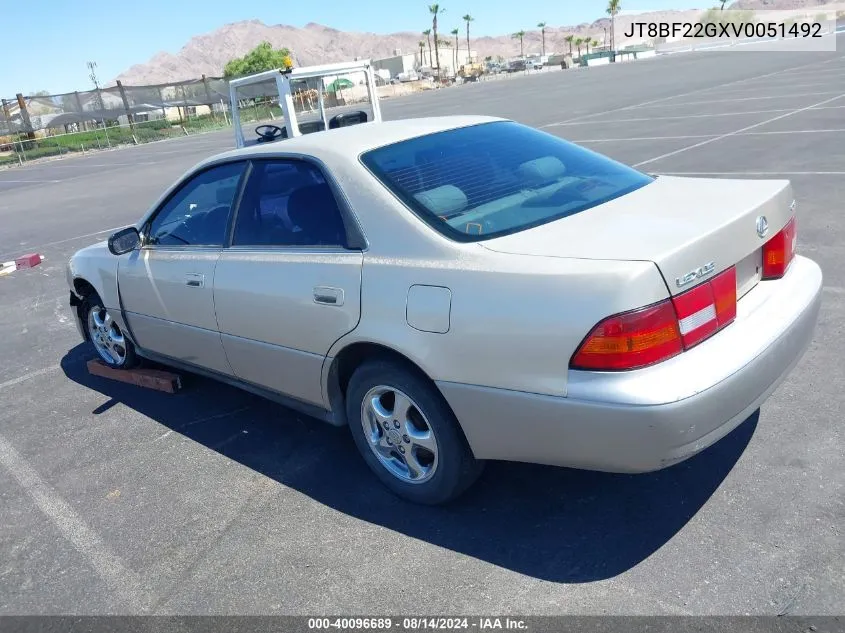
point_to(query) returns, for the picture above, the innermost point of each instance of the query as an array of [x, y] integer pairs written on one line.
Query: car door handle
[[328, 296], [195, 280]]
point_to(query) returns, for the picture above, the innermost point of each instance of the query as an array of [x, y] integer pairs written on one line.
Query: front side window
[[288, 203], [198, 214], [484, 181]]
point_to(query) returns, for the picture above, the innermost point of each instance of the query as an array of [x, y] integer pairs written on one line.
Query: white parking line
[[685, 136], [839, 107], [639, 138], [688, 116], [25, 377], [79, 159], [83, 163], [801, 95], [40, 247], [667, 118], [773, 85], [106, 564], [93, 174], [691, 92], [189, 150], [734, 133], [4, 181], [833, 68]]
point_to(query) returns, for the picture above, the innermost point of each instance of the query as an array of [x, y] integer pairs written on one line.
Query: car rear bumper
[[649, 419]]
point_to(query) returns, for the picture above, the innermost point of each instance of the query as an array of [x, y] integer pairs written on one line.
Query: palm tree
[[468, 18], [455, 32], [569, 39], [422, 52], [435, 10], [587, 42], [613, 8], [595, 43], [542, 27], [578, 43], [519, 35], [427, 33]]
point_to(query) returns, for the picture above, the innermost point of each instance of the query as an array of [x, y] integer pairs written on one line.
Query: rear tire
[[408, 435], [105, 336]]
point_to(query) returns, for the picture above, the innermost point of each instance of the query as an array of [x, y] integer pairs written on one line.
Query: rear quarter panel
[[515, 321]]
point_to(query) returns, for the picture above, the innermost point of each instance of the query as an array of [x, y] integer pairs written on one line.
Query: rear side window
[[288, 203], [494, 179]]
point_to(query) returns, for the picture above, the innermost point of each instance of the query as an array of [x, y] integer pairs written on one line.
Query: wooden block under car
[[28, 261], [157, 379]]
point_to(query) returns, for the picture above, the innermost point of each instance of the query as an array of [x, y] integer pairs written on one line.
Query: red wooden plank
[[157, 379]]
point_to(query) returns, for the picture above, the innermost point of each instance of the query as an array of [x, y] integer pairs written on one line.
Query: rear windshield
[[484, 181]]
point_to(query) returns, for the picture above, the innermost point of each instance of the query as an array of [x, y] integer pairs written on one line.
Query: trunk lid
[[691, 228]]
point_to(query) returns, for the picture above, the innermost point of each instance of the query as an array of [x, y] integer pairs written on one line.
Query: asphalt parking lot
[[121, 500]]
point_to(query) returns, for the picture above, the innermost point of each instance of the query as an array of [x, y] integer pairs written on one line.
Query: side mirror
[[124, 241]]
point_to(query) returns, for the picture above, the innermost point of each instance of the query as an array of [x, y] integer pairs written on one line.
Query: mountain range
[[207, 54]]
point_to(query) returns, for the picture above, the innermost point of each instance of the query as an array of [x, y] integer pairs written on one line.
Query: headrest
[[348, 118], [541, 171], [304, 200], [443, 200], [314, 210]]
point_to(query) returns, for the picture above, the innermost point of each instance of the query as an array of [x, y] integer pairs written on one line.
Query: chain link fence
[[52, 125], [42, 126]]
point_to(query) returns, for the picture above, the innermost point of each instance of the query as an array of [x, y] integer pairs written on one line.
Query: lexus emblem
[[762, 226]]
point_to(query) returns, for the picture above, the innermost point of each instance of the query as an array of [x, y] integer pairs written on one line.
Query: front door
[[167, 286], [289, 285]]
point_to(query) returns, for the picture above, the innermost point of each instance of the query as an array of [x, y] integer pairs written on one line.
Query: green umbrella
[[339, 84]]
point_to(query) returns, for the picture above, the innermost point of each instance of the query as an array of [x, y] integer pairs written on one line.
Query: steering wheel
[[268, 133]]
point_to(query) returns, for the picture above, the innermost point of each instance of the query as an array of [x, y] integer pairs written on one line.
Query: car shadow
[[556, 524]]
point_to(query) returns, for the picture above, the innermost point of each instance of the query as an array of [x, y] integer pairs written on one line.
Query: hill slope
[[315, 44]]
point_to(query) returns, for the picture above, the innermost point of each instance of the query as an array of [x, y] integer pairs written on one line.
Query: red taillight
[[650, 335], [779, 251], [724, 293], [696, 310], [706, 308], [631, 340]]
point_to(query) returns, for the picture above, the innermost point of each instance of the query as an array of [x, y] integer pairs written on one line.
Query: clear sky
[[46, 43]]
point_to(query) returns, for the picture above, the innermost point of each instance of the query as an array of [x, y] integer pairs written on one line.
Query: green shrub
[[145, 132]]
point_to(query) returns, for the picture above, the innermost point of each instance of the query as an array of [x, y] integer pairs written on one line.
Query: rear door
[[289, 285], [167, 286]]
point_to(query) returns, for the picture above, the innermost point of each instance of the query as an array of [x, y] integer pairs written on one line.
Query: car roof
[[355, 139]]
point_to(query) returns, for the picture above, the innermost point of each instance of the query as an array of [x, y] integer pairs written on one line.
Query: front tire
[[408, 435], [111, 345]]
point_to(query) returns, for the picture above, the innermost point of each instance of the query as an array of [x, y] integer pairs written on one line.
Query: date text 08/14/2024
[[712, 30], [416, 623]]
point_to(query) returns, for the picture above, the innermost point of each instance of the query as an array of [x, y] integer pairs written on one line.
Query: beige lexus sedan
[[463, 289]]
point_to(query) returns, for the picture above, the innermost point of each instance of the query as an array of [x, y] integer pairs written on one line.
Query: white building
[[451, 59], [396, 64]]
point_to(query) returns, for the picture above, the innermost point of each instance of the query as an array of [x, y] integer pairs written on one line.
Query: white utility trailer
[[283, 80]]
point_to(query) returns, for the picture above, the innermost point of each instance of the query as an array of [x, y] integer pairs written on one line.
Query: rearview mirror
[[124, 241]]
